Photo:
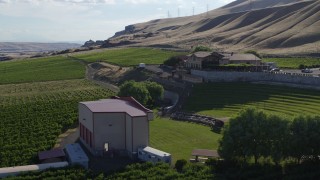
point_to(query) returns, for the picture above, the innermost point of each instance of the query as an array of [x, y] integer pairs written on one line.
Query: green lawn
[[293, 63], [129, 56], [180, 138], [226, 99], [40, 69]]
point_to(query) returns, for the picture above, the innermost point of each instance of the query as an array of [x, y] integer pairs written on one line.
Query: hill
[[270, 26], [14, 47]]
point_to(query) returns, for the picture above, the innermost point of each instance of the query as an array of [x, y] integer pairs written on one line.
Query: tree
[[298, 138], [278, 138], [136, 90], [245, 136], [147, 93], [172, 61], [201, 48], [305, 137], [156, 91]]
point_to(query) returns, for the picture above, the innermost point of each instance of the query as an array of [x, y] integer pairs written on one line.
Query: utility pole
[[250, 5], [168, 14]]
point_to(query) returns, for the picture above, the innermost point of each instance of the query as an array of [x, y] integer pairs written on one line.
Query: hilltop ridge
[[270, 26]]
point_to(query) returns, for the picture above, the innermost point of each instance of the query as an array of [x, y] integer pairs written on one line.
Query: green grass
[[40, 69], [293, 63], [129, 56], [180, 138], [226, 99], [32, 115]]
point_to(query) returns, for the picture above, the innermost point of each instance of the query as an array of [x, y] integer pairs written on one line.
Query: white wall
[[140, 132], [109, 128], [128, 133], [85, 113], [223, 76]]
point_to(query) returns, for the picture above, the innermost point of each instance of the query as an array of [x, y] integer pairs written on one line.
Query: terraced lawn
[[129, 56], [226, 99], [180, 138], [40, 69]]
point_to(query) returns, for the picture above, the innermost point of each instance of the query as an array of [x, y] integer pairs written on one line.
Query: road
[[316, 71]]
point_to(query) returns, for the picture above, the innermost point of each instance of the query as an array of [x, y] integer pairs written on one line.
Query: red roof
[[121, 104], [55, 153]]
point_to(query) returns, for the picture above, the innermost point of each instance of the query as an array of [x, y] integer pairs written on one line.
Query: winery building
[[118, 125]]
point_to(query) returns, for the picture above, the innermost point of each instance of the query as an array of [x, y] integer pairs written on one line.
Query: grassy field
[[129, 56], [226, 99], [32, 115], [293, 63], [180, 138], [40, 69]]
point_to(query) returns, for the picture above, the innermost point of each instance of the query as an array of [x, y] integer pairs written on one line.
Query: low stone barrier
[[222, 76]]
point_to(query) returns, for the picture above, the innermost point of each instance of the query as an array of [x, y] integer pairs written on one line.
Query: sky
[[81, 20]]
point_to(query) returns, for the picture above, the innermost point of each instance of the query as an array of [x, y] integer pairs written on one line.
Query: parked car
[[275, 70], [306, 70]]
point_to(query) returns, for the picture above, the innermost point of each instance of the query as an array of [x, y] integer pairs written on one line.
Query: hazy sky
[[81, 20]]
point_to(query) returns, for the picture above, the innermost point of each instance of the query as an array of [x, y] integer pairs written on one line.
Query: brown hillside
[[270, 26]]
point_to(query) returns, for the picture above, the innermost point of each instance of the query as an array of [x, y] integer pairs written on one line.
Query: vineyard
[[40, 69], [32, 115], [129, 56]]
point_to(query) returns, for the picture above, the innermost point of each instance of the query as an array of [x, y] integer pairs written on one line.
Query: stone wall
[[222, 76]]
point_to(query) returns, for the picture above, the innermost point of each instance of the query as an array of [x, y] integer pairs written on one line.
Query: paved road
[[316, 71]]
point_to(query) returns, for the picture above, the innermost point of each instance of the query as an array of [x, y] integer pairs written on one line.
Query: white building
[[119, 125]]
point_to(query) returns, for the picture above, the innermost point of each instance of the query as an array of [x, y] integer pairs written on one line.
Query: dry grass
[[289, 29]]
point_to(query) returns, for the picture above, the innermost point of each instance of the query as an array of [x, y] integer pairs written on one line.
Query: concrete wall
[[140, 132], [109, 128], [222, 76]]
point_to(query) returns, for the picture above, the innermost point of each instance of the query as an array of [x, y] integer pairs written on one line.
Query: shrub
[[180, 164], [201, 48], [173, 61]]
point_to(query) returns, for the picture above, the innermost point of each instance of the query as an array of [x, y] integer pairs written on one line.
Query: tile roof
[[123, 104]]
